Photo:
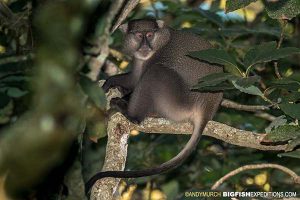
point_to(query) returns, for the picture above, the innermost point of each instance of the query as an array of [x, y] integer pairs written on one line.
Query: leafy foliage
[[284, 133], [283, 9], [266, 53], [93, 91]]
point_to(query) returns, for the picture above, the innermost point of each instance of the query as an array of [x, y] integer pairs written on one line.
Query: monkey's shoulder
[[192, 41]]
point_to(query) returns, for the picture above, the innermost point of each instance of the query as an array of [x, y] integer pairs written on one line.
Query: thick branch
[[115, 159], [213, 129], [118, 130]]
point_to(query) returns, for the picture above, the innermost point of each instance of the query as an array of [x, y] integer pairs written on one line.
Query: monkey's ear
[[124, 27], [160, 23]]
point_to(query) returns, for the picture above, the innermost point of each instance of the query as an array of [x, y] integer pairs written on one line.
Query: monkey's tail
[[199, 126]]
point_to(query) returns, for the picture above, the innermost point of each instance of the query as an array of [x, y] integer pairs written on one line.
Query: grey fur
[[160, 82]]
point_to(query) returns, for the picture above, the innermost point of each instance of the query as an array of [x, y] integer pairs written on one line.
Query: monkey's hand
[[109, 83], [121, 81]]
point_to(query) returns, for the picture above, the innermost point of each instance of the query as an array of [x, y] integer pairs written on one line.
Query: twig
[[265, 116], [286, 170], [245, 16], [278, 46], [5, 12], [257, 109], [130, 5], [250, 108]]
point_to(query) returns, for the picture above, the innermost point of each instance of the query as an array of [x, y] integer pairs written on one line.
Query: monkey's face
[[143, 44], [143, 38]]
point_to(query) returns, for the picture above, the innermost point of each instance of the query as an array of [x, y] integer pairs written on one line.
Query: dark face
[[143, 38]]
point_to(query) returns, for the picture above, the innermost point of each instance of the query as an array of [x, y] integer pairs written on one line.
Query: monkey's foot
[[134, 120], [119, 105]]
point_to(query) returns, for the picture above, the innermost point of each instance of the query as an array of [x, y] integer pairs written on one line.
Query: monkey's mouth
[[144, 54]]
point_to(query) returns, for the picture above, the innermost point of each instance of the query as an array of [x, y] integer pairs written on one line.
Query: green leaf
[[284, 133], [190, 16], [291, 97], [14, 78], [232, 70], [246, 88], [293, 144], [237, 31], [232, 5], [292, 110], [245, 82], [267, 52], [15, 92], [215, 82], [216, 88], [279, 121], [216, 56], [211, 16], [286, 9], [94, 92], [293, 154], [286, 83], [97, 129], [171, 189], [215, 78]]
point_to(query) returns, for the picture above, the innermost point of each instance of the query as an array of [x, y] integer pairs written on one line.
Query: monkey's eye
[[139, 35], [149, 35]]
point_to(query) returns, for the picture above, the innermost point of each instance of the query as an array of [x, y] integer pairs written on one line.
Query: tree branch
[[284, 23], [213, 129], [250, 108], [257, 109], [119, 128], [96, 63], [115, 159], [295, 177], [130, 5]]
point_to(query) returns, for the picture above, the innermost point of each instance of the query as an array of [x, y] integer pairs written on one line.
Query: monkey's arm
[[124, 81]]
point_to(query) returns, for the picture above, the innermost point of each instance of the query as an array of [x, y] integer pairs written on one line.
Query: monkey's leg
[[161, 91], [139, 105]]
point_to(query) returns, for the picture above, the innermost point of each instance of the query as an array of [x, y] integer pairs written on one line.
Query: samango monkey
[[160, 83]]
